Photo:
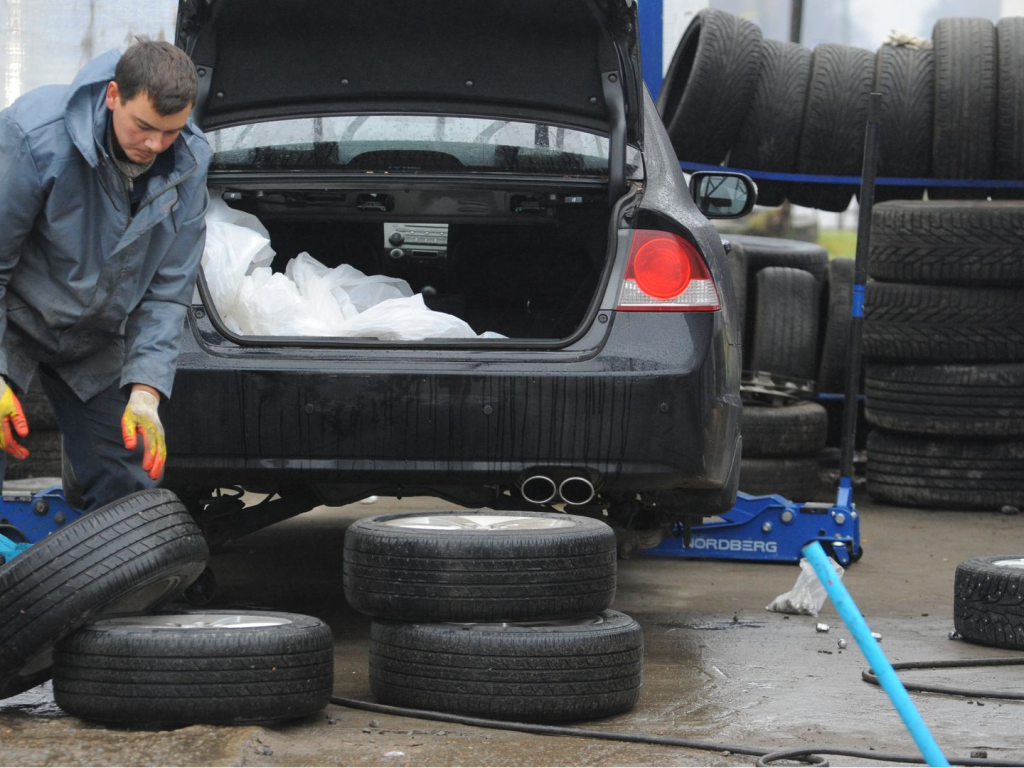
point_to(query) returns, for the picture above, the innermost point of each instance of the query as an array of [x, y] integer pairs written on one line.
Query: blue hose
[[876, 658]]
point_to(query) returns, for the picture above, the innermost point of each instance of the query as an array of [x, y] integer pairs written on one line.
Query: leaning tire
[[786, 317], [938, 324], [957, 243], [945, 474], [790, 430], [951, 400], [964, 130], [988, 601], [709, 85], [835, 338], [832, 138], [770, 136], [778, 252], [546, 671], [126, 557], [1009, 162], [196, 667], [906, 79], [470, 566]]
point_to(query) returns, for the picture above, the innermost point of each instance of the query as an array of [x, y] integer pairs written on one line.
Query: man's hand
[[12, 419], [141, 416]]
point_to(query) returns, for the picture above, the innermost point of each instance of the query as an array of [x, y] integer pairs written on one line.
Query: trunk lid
[[571, 62]]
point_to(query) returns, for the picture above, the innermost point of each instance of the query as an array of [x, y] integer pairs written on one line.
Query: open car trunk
[[523, 264]]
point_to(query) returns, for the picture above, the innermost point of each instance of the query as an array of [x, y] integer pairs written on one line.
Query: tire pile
[[944, 344], [950, 108], [81, 606], [796, 305], [497, 615]]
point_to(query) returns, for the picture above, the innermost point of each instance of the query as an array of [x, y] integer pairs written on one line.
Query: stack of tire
[[950, 108], [43, 441], [81, 606], [494, 614], [797, 325], [944, 341]]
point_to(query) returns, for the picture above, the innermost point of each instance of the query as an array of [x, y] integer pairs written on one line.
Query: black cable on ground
[[811, 756], [869, 676]]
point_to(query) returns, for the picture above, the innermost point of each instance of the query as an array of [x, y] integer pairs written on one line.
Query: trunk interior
[[523, 264]]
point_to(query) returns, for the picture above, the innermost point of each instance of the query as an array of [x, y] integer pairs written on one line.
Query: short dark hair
[[163, 71]]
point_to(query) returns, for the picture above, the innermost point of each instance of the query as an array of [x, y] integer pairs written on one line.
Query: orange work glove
[[141, 416], [12, 419]]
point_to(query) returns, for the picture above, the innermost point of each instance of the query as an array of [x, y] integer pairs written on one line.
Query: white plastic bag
[[222, 213], [227, 258], [807, 595], [407, 319]]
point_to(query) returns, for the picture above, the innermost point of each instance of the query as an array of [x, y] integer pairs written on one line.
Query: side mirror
[[723, 195]]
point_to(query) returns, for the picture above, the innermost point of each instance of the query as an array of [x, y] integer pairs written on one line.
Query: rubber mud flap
[[528, 672], [479, 566], [988, 601], [709, 85], [196, 666], [127, 557]]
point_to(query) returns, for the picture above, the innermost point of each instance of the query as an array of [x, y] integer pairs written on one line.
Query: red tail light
[[666, 272]]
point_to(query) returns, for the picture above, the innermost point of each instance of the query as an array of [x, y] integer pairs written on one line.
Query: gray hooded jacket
[[85, 286]]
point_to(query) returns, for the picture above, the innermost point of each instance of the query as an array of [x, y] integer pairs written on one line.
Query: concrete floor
[[718, 666]]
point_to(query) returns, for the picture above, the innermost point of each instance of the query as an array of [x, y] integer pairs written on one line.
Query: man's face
[[141, 131]]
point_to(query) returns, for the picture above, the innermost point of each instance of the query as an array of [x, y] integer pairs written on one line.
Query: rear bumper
[[654, 406]]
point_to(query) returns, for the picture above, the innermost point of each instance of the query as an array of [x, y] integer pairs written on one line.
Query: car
[[506, 160]]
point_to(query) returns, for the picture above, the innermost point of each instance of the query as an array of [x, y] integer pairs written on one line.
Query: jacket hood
[[84, 111]]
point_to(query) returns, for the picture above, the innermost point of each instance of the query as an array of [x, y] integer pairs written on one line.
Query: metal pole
[[796, 20], [860, 277]]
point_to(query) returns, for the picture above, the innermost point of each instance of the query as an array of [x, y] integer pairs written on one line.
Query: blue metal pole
[[887, 677], [651, 14]]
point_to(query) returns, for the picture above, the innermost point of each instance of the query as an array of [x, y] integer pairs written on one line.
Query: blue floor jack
[[27, 518], [775, 529]]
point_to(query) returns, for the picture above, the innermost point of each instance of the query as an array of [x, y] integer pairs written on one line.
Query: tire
[[540, 672], [44, 456], [988, 601], [798, 479], [791, 430], [906, 79], [1009, 162], [837, 306], [908, 323], [127, 557], [778, 252], [835, 118], [959, 243], [424, 567], [786, 323], [770, 136], [183, 668], [964, 130], [709, 85], [950, 400], [945, 474]]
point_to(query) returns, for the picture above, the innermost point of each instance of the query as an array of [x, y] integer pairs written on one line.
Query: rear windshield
[[412, 144]]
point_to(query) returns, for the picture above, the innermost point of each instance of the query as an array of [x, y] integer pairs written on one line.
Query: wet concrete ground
[[718, 666]]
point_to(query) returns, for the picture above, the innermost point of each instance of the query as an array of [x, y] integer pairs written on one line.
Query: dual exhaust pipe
[[541, 489]]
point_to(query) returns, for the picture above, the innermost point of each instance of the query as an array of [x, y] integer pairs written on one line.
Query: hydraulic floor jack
[[26, 518], [773, 528]]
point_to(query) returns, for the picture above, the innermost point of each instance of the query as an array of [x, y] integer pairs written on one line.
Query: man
[[102, 204]]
